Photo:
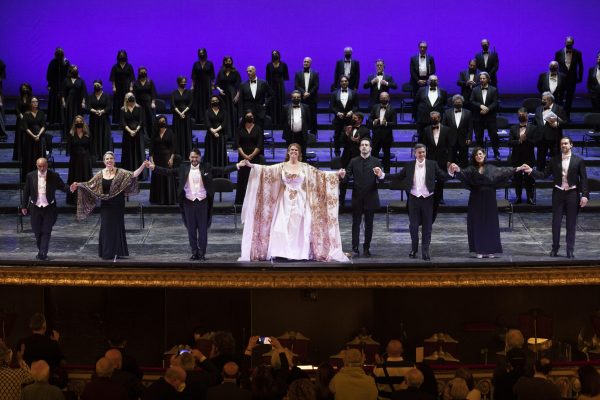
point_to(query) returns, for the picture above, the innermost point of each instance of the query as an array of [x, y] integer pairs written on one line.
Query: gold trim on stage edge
[[301, 278]]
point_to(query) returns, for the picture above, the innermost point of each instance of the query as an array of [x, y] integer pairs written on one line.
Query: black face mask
[[202, 56], [26, 91], [131, 99], [162, 124], [458, 106], [523, 118], [75, 74], [122, 59], [385, 102], [97, 88], [296, 101], [228, 65], [249, 118], [79, 125], [215, 104], [182, 85], [553, 70], [569, 46], [348, 56], [143, 75]]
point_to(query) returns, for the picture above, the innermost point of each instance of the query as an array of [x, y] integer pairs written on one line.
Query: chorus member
[[438, 141], [570, 180], [552, 81], [182, 100], [145, 93], [296, 124], [570, 63], [162, 154], [549, 119], [255, 95], [23, 105], [593, 85], [56, 73], [378, 83], [34, 143], [307, 82], [133, 141], [249, 144], [467, 80], [285, 221], [482, 180], [215, 149], [343, 104], [353, 134], [100, 107], [382, 121], [523, 137], [422, 66], [419, 178], [484, 100], [429, 98], [122, 77], [203, 78], [39, 200], [73, 101], [348, 67], [366, 172], [110, 186], [487, 61], [458, 119], [228, 84], [276, 76], [80, 162], [3, 134]]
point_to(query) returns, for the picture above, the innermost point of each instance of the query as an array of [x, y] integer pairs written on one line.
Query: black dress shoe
[[570, 254], [531, 202], [366, 253], [553, 253], [195, 257], [412, 254], [43, 257], [426, 256], [202, 257], [518, 200], [355, 253]]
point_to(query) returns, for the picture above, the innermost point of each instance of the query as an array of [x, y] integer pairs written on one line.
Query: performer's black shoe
[[442, 202], [553, 253], [531, 202], [412, 254], [366, 253], [42, 257], [201, 257], [426, 256], [518, 200], [195, 257], [570, 254], [355, 253]]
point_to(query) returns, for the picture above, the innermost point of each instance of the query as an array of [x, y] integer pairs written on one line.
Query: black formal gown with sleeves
[[230, 84], [22, 107], [133, 154], [74, 92], [276, 77], [112, 241], [122, 78], [144, 94], [182, 127], [55, 76], [100, 132], [32, 149], [162, 187], [202, 75], [80, 164], [248, 142], [215, 151]]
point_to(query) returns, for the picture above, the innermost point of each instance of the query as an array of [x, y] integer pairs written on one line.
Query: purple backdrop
[[165, 35]]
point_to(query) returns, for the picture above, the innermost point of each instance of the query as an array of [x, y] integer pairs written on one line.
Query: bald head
[[353, 358], [40, 371], [175, 376], [115, 356], [230, 370], [394, 348], [104, 368], [414, 378], [42, 165]]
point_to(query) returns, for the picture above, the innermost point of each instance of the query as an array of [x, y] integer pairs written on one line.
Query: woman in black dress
[[74, 95], [482, 180], [228, 84], [100, 107], [203, 76], [249, 144], [181, 105], [110, 186], [277, 74], [23, 105], [133, 141], [34, 143], [215, 151], [55, 76], [80, 162], [145, 93], [162, 153], [121, 76]]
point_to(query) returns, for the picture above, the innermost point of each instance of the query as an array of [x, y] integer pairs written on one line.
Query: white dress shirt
[[457, 117], [344, 97], [568, 59], [194, 187], [253, 87], [419, 189], [347, 65], [306, 80], [42, 201], [486, 56], [552, 83], [432, 95], [422, 66], [484, 94], [382, 111], [296, 119], [566, 160], [598, 74]]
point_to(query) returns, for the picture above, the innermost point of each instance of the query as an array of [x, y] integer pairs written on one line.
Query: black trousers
[[338, 131], [461, 155], [546, 146], [521, 180], [312, 106], [196, 222], [490, 124], [566, 202], [383, 141], [569, 94], [42, 221], [420, 212], [357, 213]]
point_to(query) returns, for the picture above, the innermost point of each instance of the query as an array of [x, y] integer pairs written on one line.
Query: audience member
[[515, 369], [325, 373], [456, 390], [390, 374], [351, 382], [474, 393], [412, 388], [124, 378], [589, 378], [102, 386], [41, 388], [429, 385], [301, 389], [539, 386], [168, 387], [12, 379], [229, 388]]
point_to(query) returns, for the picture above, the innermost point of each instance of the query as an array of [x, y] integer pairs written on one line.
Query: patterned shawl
[[91, 191], [260, 203]]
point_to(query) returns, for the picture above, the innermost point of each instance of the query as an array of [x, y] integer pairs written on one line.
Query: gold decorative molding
[[288, 277]]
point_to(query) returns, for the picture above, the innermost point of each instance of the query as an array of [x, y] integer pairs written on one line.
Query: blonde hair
[[86, 129]]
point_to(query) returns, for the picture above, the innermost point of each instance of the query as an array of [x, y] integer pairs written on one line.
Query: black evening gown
[[215, 151], [248, 141], [162, 187], [112, 241], [100, 132], [74, 92], [144, 94], [55, 76], [122, 78], [32, 150], [182, 128], [483, 228], [230, 83], [276, 77], [202, 76], [22, 107], [80, 164], [133, 154]]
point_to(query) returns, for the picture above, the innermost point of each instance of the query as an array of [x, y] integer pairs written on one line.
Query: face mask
[[75, 74], [215, 104], [385, 102], [348, 56], [523, 118], [131, 99], [182, 85], [458, 106], [79, 125], [97, 88], [249, 118], [296, 101], [203, 56], [122, 59], [162, 124], [569, 46], [143, 75], [228, 65]]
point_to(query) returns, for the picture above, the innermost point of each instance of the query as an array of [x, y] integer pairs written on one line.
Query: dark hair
[[223, 341], [567, 137], [122, 53], [590, 380], [344, 77], [287, 155], [301, 389], [214, 96], [522, 110], [229, 58], [37, 321], [196, 150], [419, 146], [474, 153], [325, 373], [368, 139], [203, 50], [98, 81], [543, 365], [296, 91], [360, 115], [262, 382], [180, 78]]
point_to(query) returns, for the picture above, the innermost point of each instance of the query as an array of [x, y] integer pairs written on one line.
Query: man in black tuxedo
[[488, 61], [379, 82], [429, 98], [569, 179], [296, 122], [307, 82], [351, 138], [39, 200], [422, 66], [549, 119], [570, 63], [349, 68], [195, 192], [553, 82], [438, 142], [366, 172], [523, 137], [593, 85], [382, 121], [458, 120], [343, 104], [255, 95], [467, 80], [418, 179], [484, 100]]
